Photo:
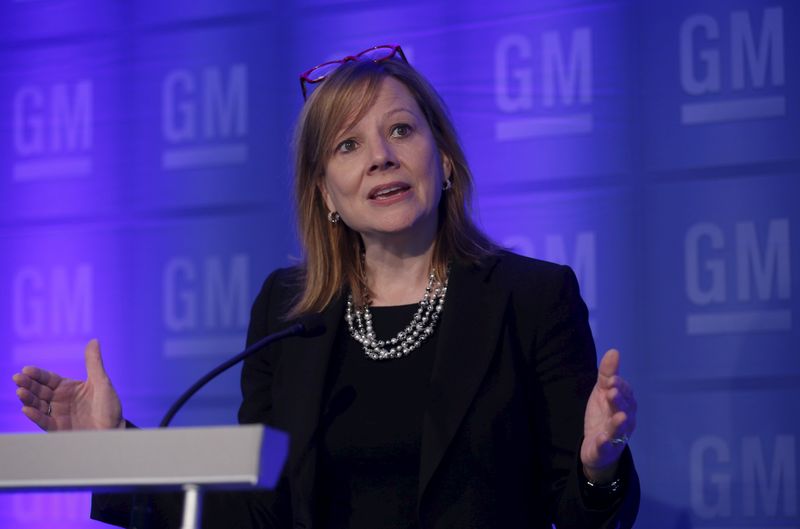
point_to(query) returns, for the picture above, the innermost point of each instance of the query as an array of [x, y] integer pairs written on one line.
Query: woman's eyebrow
[[347, 131], [397, 110]]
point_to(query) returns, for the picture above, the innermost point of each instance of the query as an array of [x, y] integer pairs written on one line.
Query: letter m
[[226, 297], [768, 268], [71, 117], [572, 78], [768, 53], [71, 302], [225, 103], [770, 481]]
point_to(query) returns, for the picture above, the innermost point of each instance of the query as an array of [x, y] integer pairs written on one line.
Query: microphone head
[[313, 325]]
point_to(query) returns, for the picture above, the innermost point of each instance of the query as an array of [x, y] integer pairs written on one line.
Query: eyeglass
[[319, 73]]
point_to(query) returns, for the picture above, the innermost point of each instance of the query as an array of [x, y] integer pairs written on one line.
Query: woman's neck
[[396, 276]]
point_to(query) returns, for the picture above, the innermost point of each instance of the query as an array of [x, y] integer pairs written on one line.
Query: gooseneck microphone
[[308, 326]]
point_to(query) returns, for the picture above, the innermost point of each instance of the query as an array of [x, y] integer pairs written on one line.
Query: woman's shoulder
[[519, 269], [530, 279], [537, 286], [285, 277], [280, 289]]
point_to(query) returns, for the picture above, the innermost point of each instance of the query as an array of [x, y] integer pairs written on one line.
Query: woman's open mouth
[[386, 192]]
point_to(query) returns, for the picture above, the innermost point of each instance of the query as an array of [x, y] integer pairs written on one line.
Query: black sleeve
[[565, 368], [222, 510], [265, 509]]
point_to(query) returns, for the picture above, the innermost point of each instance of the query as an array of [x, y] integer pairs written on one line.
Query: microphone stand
[[297, 328], [193, 498]]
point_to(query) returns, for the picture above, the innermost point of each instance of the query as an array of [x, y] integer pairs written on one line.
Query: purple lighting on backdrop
[[652, 146]]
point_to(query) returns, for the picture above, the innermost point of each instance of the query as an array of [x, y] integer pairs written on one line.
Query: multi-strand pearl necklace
[[422, 325]]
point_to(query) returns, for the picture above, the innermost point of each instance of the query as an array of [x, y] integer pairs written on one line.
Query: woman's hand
[[609, 421], [55, 403]]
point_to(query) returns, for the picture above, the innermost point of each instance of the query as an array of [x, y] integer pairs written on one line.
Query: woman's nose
[[382, 156]]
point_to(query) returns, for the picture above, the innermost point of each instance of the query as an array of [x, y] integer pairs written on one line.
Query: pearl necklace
[[421, 327]]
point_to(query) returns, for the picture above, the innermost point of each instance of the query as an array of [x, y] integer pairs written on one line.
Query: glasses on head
[[319, 73]]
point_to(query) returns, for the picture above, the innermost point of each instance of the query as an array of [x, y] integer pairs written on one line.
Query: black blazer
[[514, 367]]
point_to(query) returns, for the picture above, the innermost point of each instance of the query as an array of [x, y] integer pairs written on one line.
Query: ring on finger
[[49, 408], [620, 440]]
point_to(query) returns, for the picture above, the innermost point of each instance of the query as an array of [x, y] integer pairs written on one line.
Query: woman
[[456, 384]]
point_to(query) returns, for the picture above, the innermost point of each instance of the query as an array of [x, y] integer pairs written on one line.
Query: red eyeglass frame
[[305, 77]]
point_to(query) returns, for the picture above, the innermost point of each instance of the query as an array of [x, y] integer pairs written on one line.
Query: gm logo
[[52, 131], [205, 304], [732, 272], [741, 55], [755, 476], [578, 251], [564, 80], [204, 117], [52, 310]]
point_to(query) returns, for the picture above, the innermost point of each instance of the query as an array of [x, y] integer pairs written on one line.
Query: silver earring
[[333, 217], [447, 184]]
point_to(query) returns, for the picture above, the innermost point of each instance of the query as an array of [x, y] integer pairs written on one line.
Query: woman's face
[[384, 175]]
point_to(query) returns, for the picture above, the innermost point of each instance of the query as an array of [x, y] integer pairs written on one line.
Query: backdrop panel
[[145, 169], [203, 120], [719, 88], [719, 262], [61, 138]]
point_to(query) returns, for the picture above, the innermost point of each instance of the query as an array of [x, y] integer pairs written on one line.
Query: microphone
[[307, 326]]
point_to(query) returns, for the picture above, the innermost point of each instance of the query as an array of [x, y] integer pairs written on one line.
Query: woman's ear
[[323, 189], [447, 167]]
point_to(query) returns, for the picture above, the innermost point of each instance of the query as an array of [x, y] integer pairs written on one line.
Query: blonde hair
[[332, 260]]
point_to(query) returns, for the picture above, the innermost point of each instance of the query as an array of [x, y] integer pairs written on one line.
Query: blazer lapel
[[469, 330], [304, 365]]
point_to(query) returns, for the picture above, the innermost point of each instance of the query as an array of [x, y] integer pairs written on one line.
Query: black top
[[515, 364], [372, 428]]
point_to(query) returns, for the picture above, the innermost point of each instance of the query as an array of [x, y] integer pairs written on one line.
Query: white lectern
[[192, 459]]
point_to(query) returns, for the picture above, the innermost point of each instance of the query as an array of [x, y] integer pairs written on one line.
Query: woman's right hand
[[92, 404]]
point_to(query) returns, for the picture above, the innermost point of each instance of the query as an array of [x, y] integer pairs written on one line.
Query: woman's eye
[[346, 146], [401, 130]]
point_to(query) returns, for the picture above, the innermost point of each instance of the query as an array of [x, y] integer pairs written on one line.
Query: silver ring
[[49, 408], [621, 440]]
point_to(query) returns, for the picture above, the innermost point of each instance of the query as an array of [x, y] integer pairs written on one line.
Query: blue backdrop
[[652, 146]]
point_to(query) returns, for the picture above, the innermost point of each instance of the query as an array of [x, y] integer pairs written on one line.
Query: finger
[[627, 393], [616, 399], [21, 380], [624, 386], [94, 360], [615, 381], [40, 419], [41, 391], [621, 425], [620, 400], [607, 451], [47, 378], [608, 382], [620, 394], [609, 365], [29, 399], [623, 414], [609, 443]]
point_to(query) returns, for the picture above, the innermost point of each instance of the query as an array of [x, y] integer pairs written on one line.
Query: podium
[[133, 460]]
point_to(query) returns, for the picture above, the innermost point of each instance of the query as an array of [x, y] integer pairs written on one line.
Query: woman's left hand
[[609, 421]]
